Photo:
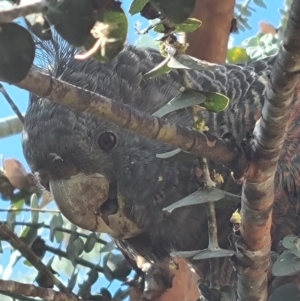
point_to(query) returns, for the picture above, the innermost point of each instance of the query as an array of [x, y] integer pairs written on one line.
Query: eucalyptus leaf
[[183, 100], [34, 204], [17, 206], [161, 68], [176, 11], [260, 3], [17, 51], [215, 102], [207, 254], [189, 25], [72, 281], [55, 222], [90, 242], [116, 267], [72, 19], [184, 61], [201, 196], [290, 242], [108, 43], [287, 264], [289, 292], [10, 220], [136, 6], [237, 55], [177, 155]]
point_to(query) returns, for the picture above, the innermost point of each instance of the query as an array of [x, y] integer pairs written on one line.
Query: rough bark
[[210, 41], [258, 189]]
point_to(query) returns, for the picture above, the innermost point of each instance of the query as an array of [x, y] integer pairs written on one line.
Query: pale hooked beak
[[80, 199]]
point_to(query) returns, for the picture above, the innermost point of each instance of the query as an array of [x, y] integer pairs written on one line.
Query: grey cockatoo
[[64, 146]]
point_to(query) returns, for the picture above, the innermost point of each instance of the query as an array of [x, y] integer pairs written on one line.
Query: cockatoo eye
[[107, 141]]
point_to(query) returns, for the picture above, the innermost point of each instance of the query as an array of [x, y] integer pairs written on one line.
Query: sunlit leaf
[[215, 102], [161, 68], [18, 205], [237, 55], [189, 25]]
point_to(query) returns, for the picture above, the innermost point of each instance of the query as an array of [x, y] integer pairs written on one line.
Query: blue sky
[[11, 146]]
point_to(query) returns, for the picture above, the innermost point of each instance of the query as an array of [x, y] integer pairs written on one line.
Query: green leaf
[[17, 51], [116, 267], [10, 220], [108, 36], [183, 100], [201, 196], [72, 19], [136, 6], [72, 281], [159, 28], [237, 55], [177, 155], [160, 69], [34, 204], [90, 243], [55, 222], [260, 3], [289, 292], [75, 247], [189, 25], [215, 102], [18, 205], [287, 264], [176, 11], [184, 61], [290, 242]]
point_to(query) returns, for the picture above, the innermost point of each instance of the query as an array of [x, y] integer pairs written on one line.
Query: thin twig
[[31, 290], [18, 244], [12, 104], [69, 231], [29, 210], [78, 260]]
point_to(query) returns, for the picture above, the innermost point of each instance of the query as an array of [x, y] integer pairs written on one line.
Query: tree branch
[[258, 189], [210, 41], [31, 290], [10, 126], [201, 144], [18, 244], [14, 12]]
